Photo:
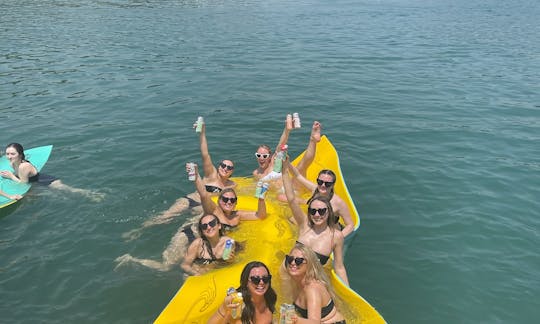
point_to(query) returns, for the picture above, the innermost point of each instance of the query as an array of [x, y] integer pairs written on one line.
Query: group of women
[[319, 235]]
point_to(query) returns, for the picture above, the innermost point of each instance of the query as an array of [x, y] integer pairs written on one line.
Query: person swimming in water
[[25, 172], [201, 255], [216, 178]]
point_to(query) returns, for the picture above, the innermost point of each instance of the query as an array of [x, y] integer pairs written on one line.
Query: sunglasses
[[262, 155], [326, 183], [257, 280], [227, 199], [321, 211], [289, 259], [211, 223], [226, 167]]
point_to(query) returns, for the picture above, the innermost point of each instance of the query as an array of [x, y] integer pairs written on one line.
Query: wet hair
[[331, 219], [270, 296], [331, 193], [19, 148], [206, 244]]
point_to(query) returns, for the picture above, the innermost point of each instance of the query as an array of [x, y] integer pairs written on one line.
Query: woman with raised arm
[[216, 178], [225, 208], [318, 229], [326, 180], [265, 157], [312, 293], [258, 294]]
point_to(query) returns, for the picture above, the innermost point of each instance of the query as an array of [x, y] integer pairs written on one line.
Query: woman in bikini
[[216, 178], [265, 157], [199, 256], [325, 187], [25, 172], [318, 230], [207, 248], [225, 208], [312, 293], [259, 298]]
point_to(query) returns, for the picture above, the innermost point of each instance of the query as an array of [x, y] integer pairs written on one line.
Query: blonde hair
[[314, 272]]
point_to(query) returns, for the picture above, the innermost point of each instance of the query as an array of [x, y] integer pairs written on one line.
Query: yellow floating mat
[[267, 241]]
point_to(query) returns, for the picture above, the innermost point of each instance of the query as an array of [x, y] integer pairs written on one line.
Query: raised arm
[[298, 214], [284, 136], [208, 204], [208, 167], [302, 180]]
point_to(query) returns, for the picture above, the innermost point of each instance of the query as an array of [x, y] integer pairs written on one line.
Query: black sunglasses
[[211, 223], [227, 199], [326, 183], [321, 211], [257, 280], [225, 166], [262, 155], [289, 260]]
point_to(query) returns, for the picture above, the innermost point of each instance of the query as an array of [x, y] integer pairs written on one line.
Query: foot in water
[[132, 235], [316, 132]]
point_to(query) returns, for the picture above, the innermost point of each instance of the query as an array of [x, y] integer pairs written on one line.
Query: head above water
[[17, 147]]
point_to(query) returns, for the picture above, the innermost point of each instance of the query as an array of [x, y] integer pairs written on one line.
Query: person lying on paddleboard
[[216, 178], [311, 292], [259, 298], [25, 172], [318, 229]]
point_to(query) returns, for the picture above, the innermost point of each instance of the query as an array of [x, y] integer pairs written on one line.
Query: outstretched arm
[[13, 197], [208, 168], [284, 136], [302, 180], [206, 200], [298, 214]]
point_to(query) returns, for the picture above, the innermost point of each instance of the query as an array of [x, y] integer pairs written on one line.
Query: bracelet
[[219, 312]]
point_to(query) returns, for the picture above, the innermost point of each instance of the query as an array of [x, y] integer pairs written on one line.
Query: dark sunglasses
[[257, 280], [225, 166], [211, 223], [227, 199], [298, 261], [326, 183], [321, 211], [262, 155]]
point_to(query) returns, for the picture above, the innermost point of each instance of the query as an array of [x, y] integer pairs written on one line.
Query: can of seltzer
[[190, 166], [199, 124], [286, 313]]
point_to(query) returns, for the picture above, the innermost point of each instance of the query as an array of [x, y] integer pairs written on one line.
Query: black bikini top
[[322, 258], [212, 189], [325, 311]]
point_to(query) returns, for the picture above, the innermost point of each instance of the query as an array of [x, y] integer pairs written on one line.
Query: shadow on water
[[8, 210]]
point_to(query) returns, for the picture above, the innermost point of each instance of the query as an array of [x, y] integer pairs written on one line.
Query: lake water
[[434, 107]]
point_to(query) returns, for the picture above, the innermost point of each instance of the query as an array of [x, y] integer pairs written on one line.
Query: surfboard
[[268, 241], [38, 156]]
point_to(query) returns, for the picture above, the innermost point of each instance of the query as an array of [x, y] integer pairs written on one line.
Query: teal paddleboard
[[38, 156]]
